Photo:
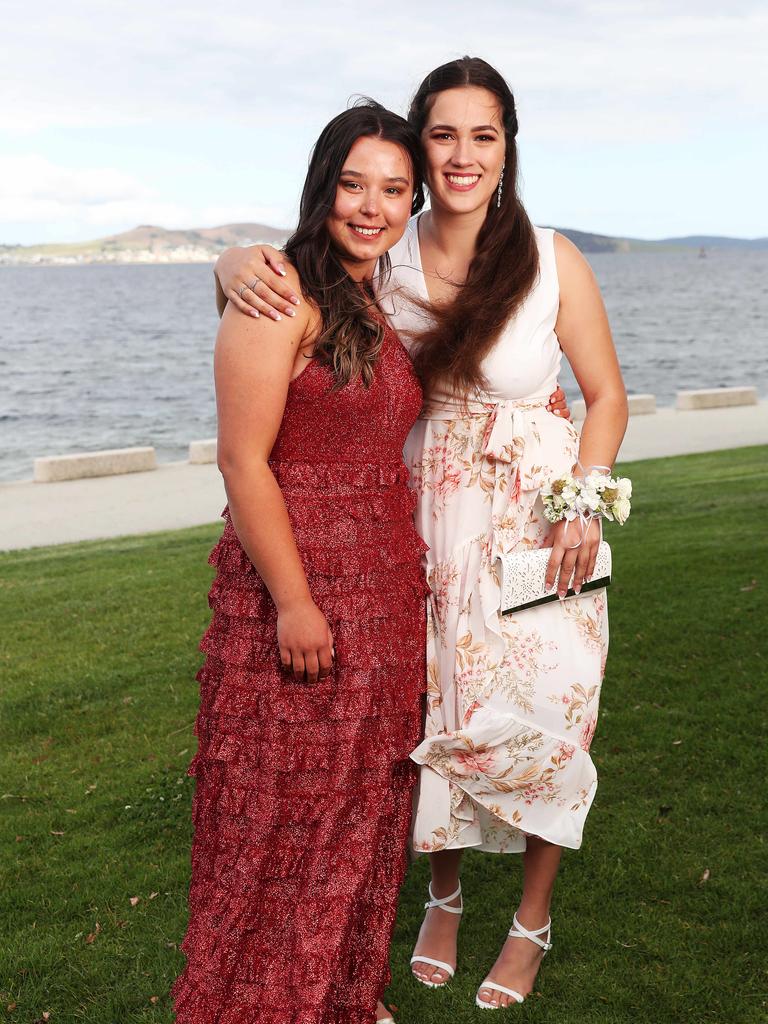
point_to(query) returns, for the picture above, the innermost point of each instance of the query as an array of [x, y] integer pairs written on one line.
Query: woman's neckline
[[391, 337], [419, 266], [420, 262]]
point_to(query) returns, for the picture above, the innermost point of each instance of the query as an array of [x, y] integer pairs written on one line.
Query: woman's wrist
[[223, 259], [595, 495], [291, 602], [581, 470]]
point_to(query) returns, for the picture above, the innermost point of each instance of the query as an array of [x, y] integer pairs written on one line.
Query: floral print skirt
[[512, 700]]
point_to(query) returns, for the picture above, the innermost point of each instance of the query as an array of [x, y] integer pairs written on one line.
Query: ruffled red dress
[[303, 793]]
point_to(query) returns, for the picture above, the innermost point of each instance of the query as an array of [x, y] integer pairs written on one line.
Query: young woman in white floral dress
[[489, 304]]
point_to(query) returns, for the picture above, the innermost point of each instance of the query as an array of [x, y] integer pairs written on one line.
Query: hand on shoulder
[[257, 280], [253, 365], [258, 355], [237, 325]]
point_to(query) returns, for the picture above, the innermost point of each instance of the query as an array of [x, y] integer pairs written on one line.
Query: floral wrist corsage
[[596, 495]]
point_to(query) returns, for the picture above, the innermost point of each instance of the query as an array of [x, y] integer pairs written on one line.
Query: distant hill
[[608, 243], [151, 244], [149, 237], [717, 242], [589, 243], [147, 244]]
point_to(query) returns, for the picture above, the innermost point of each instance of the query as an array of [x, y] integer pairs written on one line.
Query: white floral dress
[[513, 700]]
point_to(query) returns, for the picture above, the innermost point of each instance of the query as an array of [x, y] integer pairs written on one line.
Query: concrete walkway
[[179, 494]]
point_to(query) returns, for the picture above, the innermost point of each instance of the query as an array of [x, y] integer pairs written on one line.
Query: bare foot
[[437, 939], [516, 967]]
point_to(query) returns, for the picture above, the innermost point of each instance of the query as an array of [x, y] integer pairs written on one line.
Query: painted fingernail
[[295, 300], [289, 311], [281, 270], [557, 412], [255, 312], [577, 589], [276, 316]]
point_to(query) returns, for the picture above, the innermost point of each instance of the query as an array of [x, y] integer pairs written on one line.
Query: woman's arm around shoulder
[[256, 280], [253, 366]]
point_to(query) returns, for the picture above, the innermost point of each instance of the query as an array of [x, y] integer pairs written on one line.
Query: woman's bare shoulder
[[573, 269], [568, 252]]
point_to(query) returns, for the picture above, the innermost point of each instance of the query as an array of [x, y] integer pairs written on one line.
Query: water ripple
[[121, 356]]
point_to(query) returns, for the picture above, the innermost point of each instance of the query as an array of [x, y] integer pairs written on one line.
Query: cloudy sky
[[637, 118]]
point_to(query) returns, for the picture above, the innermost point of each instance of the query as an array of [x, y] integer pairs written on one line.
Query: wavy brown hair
[[506, 261], [352, 329]]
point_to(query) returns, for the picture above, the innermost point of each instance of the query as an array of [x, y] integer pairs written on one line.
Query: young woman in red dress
[[311, 696]]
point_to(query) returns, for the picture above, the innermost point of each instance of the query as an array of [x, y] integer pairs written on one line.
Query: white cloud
[[128, 64], [37, 191], [32, 178], [255, 84]]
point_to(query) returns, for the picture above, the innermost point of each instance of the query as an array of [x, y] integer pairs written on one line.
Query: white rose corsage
[[596, 495]]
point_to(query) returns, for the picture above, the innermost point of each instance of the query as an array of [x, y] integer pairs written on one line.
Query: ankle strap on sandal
[[517, 931], [445, 900]]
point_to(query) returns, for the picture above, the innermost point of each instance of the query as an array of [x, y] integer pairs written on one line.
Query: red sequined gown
[[303, 792]]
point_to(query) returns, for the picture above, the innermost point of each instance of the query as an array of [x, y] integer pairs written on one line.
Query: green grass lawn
[[660, 916]]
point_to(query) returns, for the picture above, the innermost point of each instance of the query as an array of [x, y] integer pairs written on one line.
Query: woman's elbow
[[234, 464], [619, 402], [613, 401]]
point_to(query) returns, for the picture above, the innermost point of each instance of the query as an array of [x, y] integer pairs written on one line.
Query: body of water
[[98, 357]]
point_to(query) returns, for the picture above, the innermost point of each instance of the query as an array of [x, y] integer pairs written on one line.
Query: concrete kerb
[[202, 452], [111, 462], [639, 405], [177, 495], [715, 398]]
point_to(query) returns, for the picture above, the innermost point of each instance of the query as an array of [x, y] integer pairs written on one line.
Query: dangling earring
[[501, 182]]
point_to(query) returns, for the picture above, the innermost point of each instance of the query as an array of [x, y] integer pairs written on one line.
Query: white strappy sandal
[[516, 932], [443, 905]]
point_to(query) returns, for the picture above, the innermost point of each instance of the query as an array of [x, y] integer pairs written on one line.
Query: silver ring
[[256, 281], [242, 289]]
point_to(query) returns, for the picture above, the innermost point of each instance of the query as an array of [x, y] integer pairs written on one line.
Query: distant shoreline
[[149, 244], [47, 264]]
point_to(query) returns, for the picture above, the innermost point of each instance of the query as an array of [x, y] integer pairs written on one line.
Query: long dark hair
[[351, 334], [506, 261]]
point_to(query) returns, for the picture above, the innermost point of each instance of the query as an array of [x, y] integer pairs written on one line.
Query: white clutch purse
[[522, 576]]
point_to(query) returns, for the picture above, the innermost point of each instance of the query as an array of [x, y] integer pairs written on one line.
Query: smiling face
[[373, 202], [464, 147]]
